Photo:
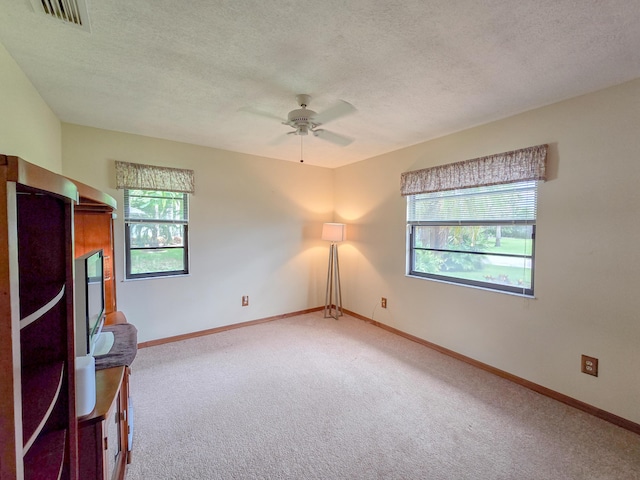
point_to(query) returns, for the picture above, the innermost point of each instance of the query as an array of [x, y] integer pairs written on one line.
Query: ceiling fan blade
[[333, 137], [261, 113], [280, 139], [338, 110]]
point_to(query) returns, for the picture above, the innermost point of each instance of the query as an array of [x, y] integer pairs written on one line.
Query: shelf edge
[[29, 319], [29, 442]]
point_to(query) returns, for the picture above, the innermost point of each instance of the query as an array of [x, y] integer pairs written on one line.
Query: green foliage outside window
[[156, 224], [493, 256]]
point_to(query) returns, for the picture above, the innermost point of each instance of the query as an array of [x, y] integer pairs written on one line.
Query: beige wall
[[28, 127], [587, 256], [254, 230], [255, 224]]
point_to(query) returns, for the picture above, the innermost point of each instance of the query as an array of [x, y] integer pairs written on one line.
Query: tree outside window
[[482, 236], [156, 233]]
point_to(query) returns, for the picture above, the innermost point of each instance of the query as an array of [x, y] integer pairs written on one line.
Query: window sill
[[515, 294], [157, 277]]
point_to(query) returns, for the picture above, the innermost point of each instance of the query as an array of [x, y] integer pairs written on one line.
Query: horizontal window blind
[[511, 203], [152, 206]]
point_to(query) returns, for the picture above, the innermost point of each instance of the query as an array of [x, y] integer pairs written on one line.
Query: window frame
[[497, 287], [129, 248], [499, 170], [505, 204]]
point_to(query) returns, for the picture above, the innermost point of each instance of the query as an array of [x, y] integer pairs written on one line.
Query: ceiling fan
[[305, 121]]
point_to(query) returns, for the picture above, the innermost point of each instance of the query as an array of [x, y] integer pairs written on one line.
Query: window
[[156, 233], [474, 222], [156, 218], [483, 236]]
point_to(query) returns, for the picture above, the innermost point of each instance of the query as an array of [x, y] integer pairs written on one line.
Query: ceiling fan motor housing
[[304, 120], [301, 116]]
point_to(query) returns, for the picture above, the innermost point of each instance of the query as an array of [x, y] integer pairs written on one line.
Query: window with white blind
[[156, 218], [156, 233], [474, 222], [482, 236]]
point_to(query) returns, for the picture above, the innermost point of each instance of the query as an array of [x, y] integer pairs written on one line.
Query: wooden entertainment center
[[46, 220], [103, 435]]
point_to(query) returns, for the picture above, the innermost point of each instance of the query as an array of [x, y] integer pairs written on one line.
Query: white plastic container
[[85, 385]]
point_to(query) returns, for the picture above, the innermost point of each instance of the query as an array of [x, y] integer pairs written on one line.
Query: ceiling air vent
[[73, 12]]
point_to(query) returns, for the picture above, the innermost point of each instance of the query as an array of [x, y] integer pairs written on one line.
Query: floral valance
[[508, 167], [151, 177]]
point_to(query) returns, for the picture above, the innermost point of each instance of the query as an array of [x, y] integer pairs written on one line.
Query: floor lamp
[[334, 233]]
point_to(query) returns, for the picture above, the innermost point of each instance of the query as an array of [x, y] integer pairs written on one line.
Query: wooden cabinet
[[104, 446], [103, 434], [38, 426]]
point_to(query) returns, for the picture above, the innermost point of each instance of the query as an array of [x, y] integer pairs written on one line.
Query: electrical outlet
[[589, 365], [245, 300], [383, 302]]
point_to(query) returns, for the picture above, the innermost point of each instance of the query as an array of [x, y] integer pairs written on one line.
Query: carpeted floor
[[314, 398]]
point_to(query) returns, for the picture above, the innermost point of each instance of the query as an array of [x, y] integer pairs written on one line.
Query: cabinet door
[[94, 230], [113, 442], [102, 444]]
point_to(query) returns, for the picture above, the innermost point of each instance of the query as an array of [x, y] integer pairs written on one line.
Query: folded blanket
[[125, 346]]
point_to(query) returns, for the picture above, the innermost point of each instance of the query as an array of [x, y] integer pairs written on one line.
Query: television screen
[[95, 291], [89, 300]]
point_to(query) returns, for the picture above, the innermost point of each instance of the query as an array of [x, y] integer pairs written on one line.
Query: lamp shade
[[334, 232]]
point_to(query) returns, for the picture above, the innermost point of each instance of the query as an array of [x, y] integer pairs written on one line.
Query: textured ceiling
[[193, 71]]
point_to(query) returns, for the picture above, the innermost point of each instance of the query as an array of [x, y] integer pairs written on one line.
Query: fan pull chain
[[301, 157]]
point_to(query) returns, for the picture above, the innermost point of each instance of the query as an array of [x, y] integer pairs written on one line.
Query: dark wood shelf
[[40, 390], [48, 295], [46, 459], [40, 438]]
